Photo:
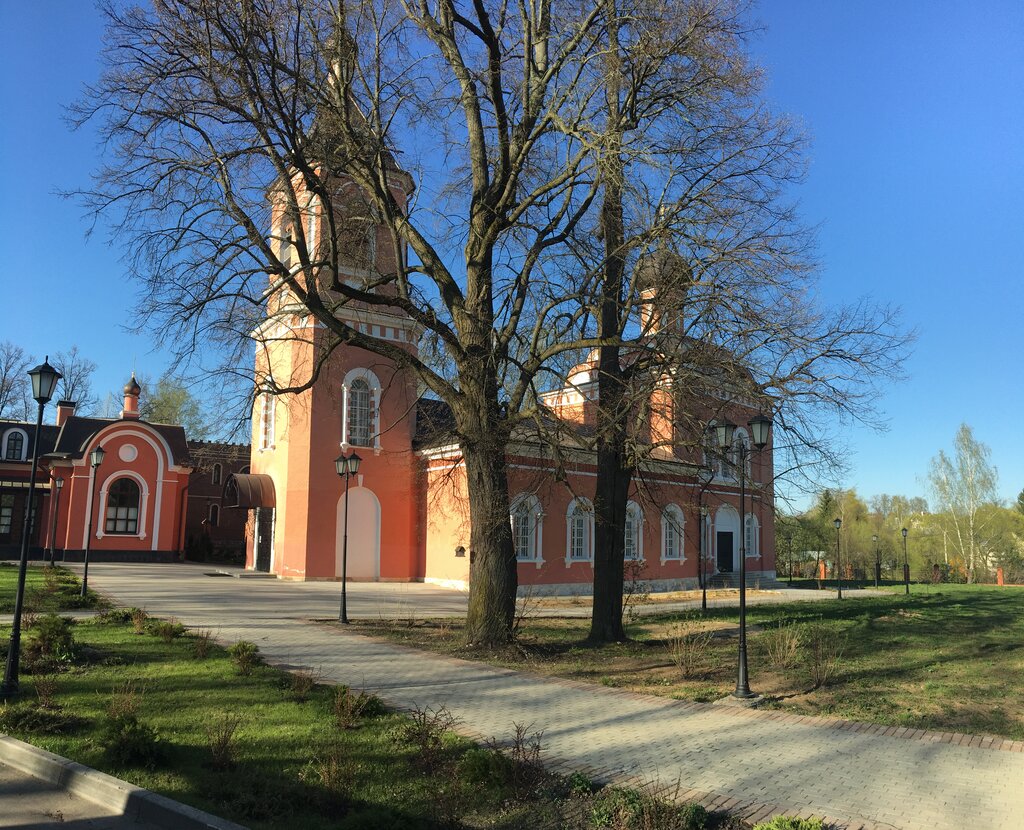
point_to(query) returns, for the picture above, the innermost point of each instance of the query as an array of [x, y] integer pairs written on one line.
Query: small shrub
[[782, 645], [116, 616], [636, 592], [29, 618], [486, 767], [424, 730], [139, 619], [221, 740], [167, 630], [640, 810], [46, 690], [302, 682], [525, 754], [825, 646], [35, 719], [787, 823], [202, 642], [351, 707], [246, 656], [127, 741], [579, 785], [52, 638], [330, 768], [689, 642]]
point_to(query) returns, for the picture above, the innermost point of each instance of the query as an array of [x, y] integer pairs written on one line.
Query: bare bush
[[825, 646], [424, 731], [782, 645], [303, 681], [221, 740], [689, 642]]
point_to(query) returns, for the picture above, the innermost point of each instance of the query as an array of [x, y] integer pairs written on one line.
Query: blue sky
[[916, 113]]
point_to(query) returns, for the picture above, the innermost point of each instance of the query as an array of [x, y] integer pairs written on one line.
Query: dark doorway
[[264, 537], [725, 551]]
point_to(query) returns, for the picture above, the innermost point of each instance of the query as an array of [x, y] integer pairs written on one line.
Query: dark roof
[[435, 423], [76, 433], [47, 435]]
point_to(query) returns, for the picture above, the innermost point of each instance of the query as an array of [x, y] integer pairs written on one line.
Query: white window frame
[[140, 528], [634, 517], [579, 508], [268, 405], [752, 542], [673, 520], [529, 506], [24, 444], [375, 395]]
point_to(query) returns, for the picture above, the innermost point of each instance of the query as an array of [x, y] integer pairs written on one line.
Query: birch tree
[[962, 485]]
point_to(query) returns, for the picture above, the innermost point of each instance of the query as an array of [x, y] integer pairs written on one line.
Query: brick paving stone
[[824, 765]]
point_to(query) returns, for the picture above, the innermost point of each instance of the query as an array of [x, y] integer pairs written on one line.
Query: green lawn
[[46, 589], [293, 764], [948, 657]]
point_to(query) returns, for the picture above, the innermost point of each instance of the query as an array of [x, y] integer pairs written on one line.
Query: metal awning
[[249, 490]]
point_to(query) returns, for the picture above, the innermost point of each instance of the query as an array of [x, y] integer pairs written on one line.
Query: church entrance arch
[[363, 534]]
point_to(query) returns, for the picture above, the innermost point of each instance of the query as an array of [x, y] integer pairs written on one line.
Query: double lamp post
[[724, 432]]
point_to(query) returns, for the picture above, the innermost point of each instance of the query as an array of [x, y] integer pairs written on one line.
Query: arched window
[[216, 473], [360, 420], [526, 528], [266, 421], [672, 533], [752, 535], [214, 515], [14, 445], [286, 245], [579, 531], [122, 507], [632, 532], [360, 425], [740, 442]]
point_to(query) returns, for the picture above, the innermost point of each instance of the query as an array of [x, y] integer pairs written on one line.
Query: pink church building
[[408, 512]]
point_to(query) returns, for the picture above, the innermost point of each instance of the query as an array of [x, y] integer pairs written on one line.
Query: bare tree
[[335, 109], [76, 380], [14, 383], [701, 274], [962, 486]]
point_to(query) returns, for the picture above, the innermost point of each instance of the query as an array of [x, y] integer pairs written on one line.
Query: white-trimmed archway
[[363, 534]]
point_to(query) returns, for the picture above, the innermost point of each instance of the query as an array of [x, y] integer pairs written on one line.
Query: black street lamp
[[878, 560], [724, 430], [839, 566], [44, 381], [346, 467], [906, 565], [95, 459], [58, 485], [702, 565]]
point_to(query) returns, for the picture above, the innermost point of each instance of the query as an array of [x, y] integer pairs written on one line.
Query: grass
[[948, 657], [46, 589], [247, 748]]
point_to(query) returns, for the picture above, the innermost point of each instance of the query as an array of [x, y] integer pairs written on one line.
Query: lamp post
[[44, 381], [95, 459], [703, 558], [906, 565], [724, 431], [346, 467], [878, 560], [839, 566], [58, 484]]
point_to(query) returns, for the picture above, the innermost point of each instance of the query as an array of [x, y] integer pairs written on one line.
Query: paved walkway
[[752, 762], [30, 803]]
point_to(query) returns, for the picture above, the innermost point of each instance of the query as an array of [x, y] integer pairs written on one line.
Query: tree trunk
[[613, 479], [614, 470], [493, 577]]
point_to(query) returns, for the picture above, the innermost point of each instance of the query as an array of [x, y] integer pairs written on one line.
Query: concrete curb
[[137, 803]]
